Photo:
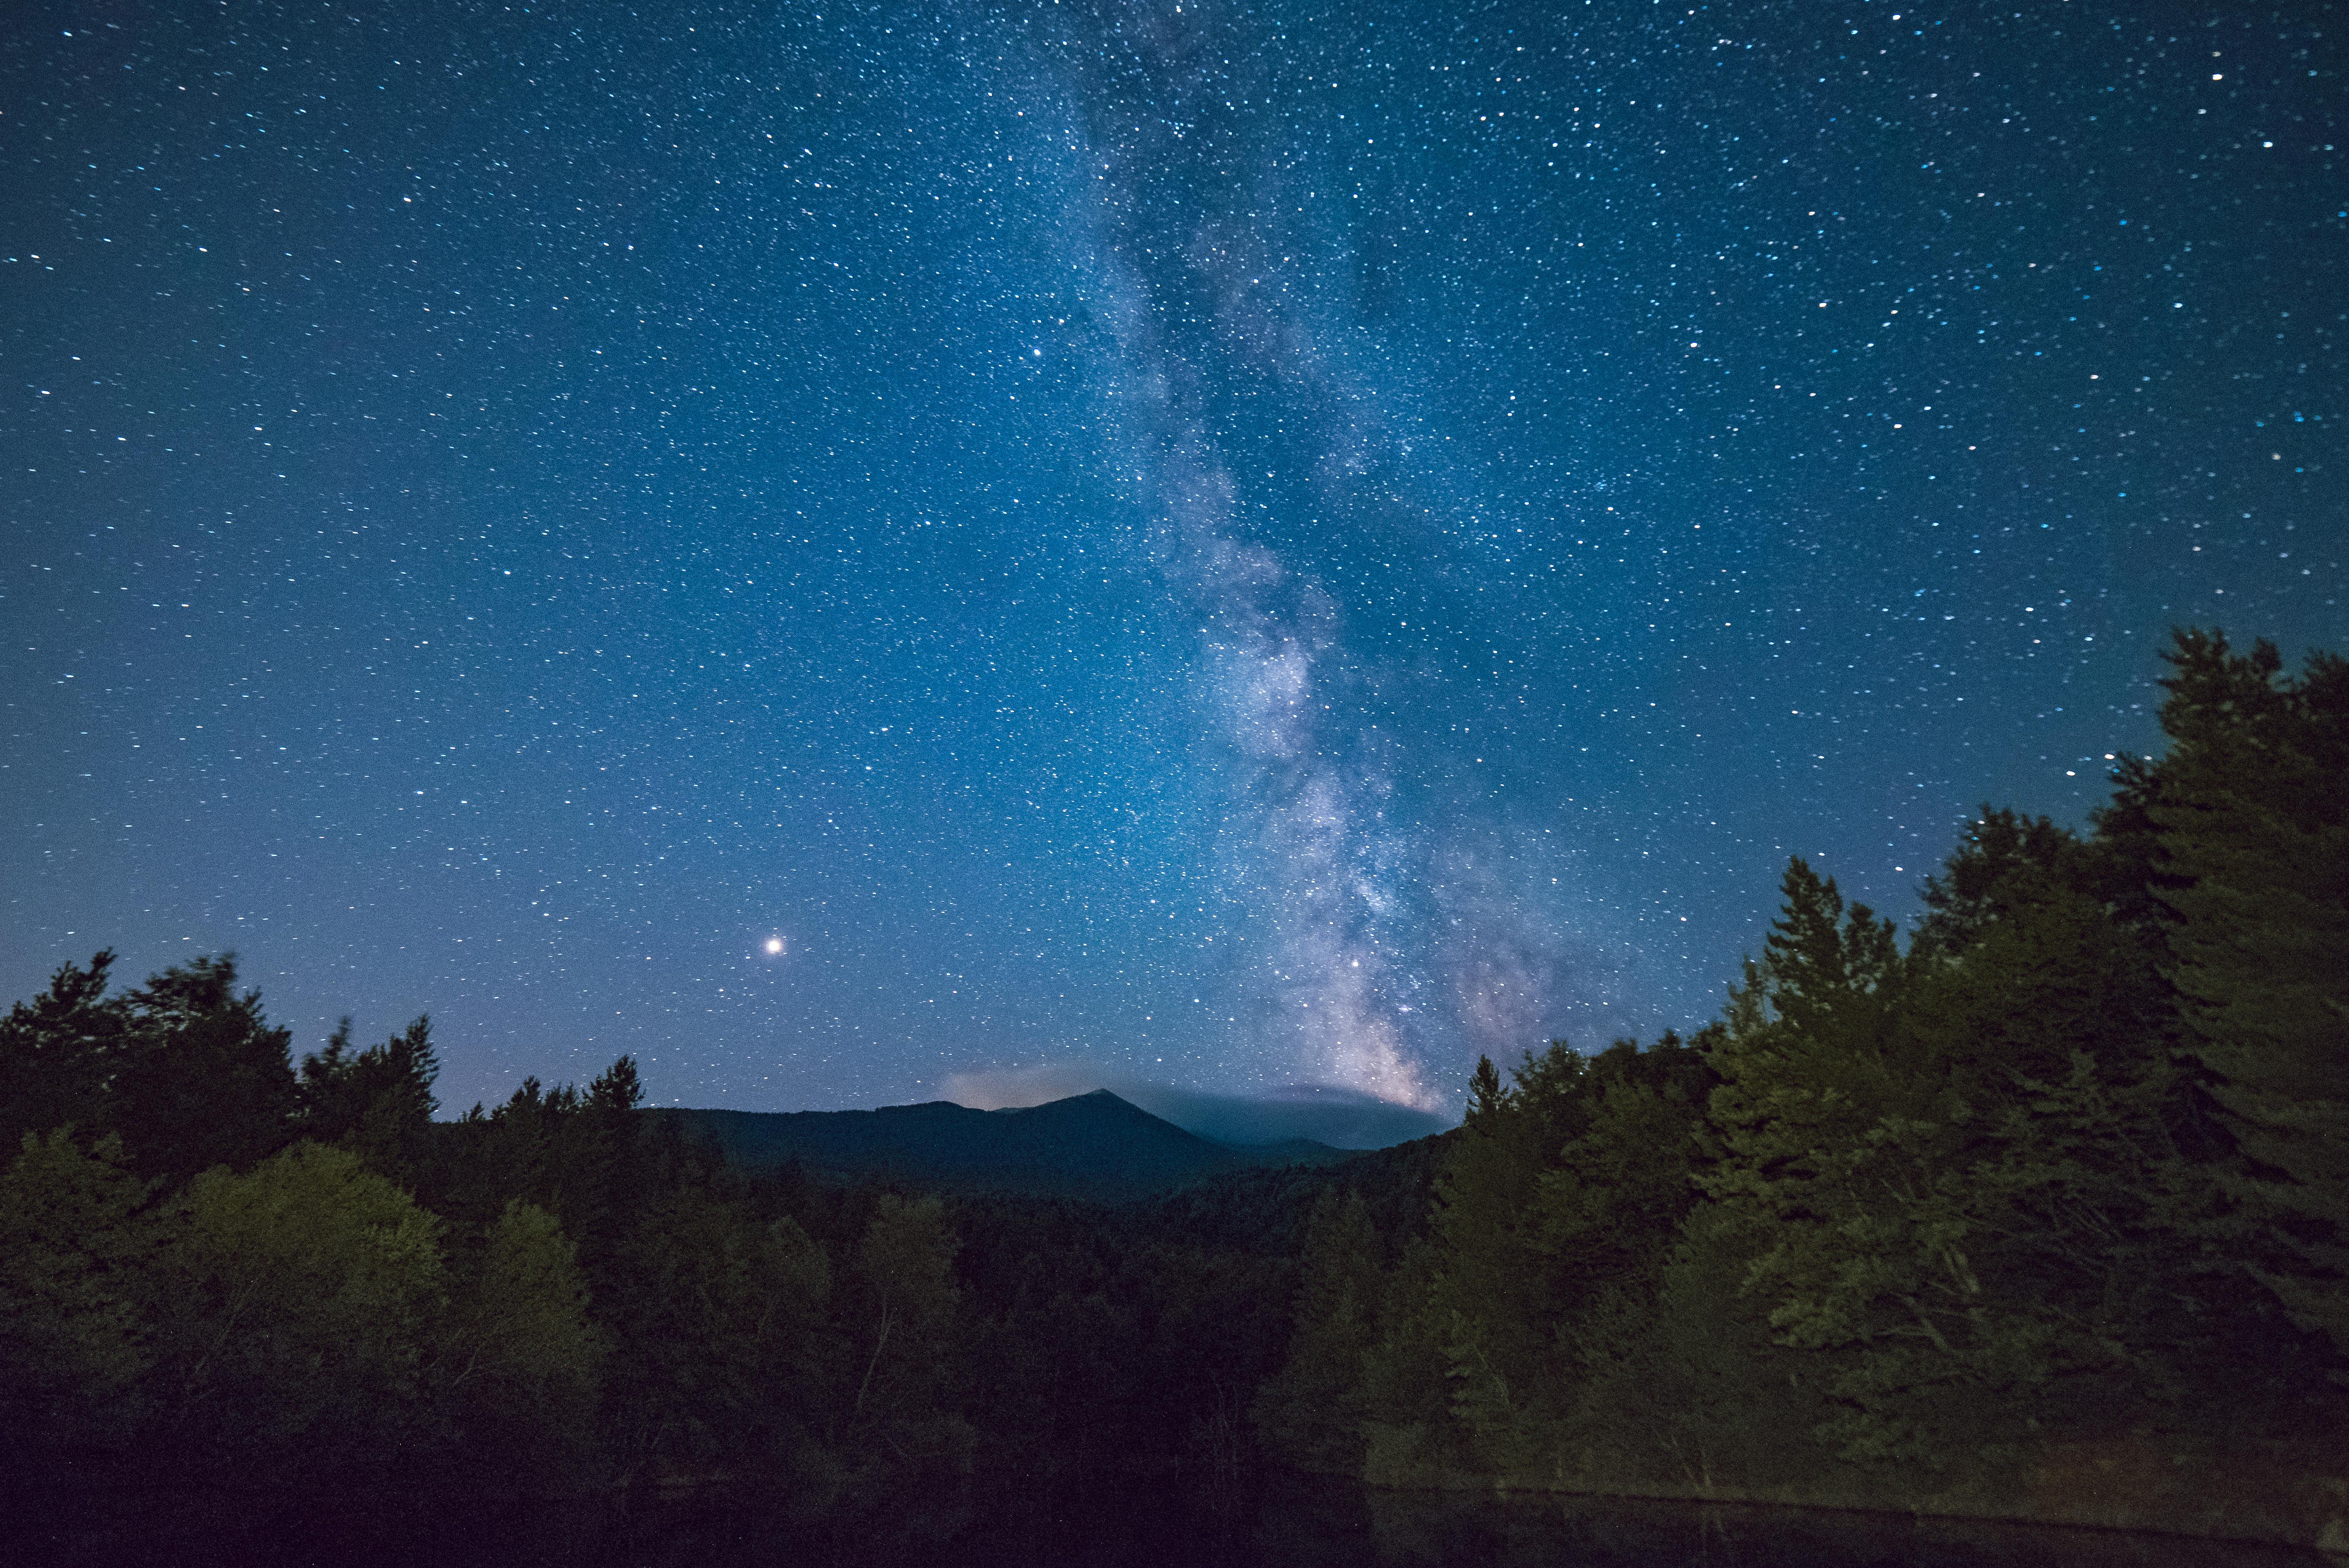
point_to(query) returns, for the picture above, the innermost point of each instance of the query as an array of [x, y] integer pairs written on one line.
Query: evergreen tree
[[1981, 878], [1808, 1060], [1609, 1218], [1411, 1434], [2252, 809], [378, 1102], [1496, 1297], [2064, 1180], [56, 1053], [1551, 1226], [580, 1156], [1616, 1193]]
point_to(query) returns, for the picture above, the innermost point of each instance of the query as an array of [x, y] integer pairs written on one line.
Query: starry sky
[[860, 551]]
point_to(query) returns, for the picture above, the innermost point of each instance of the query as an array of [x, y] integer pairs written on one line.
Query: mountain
[[1092, 1145], [1334, 1114]]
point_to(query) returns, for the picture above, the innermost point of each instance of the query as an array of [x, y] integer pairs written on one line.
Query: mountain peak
[[1098, 1097]]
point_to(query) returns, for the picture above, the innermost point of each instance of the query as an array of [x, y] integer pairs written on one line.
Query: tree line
[[220, 1268], [2044, 1210]]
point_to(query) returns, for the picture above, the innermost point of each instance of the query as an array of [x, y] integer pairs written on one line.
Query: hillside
[[1092, 1145]]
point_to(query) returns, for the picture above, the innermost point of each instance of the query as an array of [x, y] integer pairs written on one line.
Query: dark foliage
[[2061, 1189]]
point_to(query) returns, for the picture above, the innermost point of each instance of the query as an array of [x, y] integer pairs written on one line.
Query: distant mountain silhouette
[[1090, 1145], [1335, 1114]]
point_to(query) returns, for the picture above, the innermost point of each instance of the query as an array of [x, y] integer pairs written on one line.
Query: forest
[[2040, 1209]]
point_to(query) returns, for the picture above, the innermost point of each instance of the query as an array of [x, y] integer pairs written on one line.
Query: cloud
[[1335, 1114], [1014, 1088]]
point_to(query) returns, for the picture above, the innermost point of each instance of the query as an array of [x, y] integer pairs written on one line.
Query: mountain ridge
[[1096, 1145]]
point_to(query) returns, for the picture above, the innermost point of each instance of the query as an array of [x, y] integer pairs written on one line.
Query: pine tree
[[1615, 1194], [2252, 809], [378, 1102], [1491, 1305], [1808, 1060], [1950, 1167]]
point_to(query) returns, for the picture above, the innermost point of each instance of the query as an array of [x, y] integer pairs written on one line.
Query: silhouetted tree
[[2251, 806], [201, 1078], [58, 1051], [376, 1102]]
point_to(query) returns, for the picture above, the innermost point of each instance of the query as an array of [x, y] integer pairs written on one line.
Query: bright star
[[774, 945]]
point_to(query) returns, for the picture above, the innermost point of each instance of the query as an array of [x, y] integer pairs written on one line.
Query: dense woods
[[2042, 1210], [222, 1268], [219, 1268]]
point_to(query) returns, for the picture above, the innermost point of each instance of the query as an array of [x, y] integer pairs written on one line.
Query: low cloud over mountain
[[1327, 1113]]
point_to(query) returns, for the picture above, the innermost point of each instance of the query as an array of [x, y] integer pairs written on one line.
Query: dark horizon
[[1355, 1123]]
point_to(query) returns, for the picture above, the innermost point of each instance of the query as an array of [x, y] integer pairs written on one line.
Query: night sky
[[863, 551]]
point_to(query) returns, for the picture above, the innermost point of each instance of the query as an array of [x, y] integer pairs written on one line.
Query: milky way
[[845, 552], [1334, 953]]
